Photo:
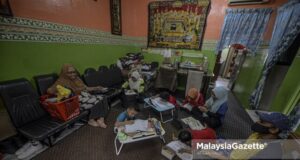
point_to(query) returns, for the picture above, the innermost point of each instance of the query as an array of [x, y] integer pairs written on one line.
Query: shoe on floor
[[23, 148], [34, 147], [9, 157], [93, 123]]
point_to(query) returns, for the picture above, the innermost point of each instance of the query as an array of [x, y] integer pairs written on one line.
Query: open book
[[138, 125], [176, 146], [188, 107], [158, 102], [193, 123]]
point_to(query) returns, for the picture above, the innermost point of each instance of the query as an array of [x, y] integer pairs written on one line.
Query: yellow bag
[[62, 92]]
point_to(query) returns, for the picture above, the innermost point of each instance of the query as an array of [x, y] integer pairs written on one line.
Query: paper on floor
[[176, 146]]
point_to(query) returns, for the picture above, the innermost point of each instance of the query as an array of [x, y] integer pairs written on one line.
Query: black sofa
[[111, 78], [26, 113], [43, 82]]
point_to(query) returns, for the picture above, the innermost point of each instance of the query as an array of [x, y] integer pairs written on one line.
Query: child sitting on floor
[[133, 89], [127, 117], [193, 99], [135, 83]]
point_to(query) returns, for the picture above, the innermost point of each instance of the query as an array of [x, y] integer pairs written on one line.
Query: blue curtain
[[286, 29], [244, 26]]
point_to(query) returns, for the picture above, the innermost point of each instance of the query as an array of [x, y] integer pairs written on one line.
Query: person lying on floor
[[212, 109], [97, 105], [127, 117], [186, 136], [266, 130], [193, 99]]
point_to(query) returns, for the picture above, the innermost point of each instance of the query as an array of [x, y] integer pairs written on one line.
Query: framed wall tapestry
[[177, 24], [115, 14], [5, 9]]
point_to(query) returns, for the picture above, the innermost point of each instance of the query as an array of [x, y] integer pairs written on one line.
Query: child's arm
[[141, 87], [125, 85], [119, 124], [203, 109], [185, 101]]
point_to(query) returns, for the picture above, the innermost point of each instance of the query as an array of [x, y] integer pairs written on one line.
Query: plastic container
[[64, 110]]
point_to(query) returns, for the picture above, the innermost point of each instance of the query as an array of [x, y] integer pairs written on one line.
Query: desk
[[171, 108], [138, 138], [171, 78]]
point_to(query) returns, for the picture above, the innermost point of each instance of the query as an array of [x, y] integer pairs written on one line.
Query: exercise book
[[138, 125]]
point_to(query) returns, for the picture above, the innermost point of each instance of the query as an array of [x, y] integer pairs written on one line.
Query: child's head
[[132, 111], [164, 96], [192, 94], [185, 137]]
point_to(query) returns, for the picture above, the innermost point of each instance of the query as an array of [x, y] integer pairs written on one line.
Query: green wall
[[248, 77], [26, 59], [289, 92]]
